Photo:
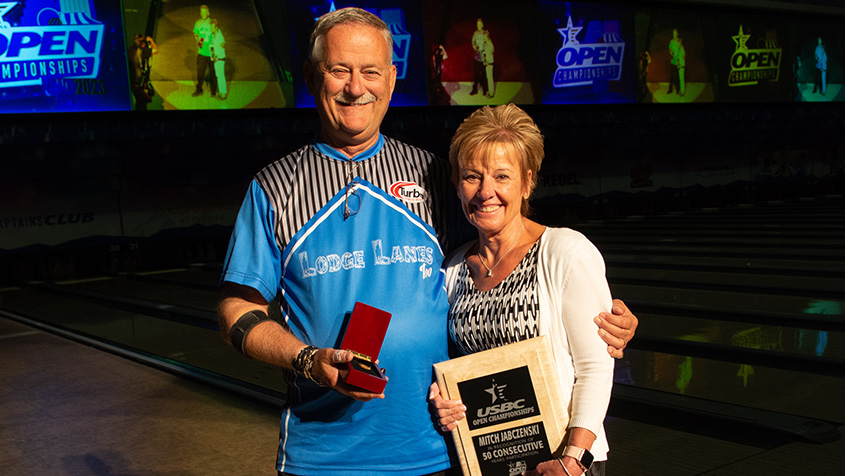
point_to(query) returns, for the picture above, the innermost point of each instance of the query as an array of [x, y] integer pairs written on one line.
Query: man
[[479, 75], [820, 54], [674, 60], [140, 57], [202, 36], [353, 217]]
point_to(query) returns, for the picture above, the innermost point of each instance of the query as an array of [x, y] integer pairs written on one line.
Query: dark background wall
[[87, 194]]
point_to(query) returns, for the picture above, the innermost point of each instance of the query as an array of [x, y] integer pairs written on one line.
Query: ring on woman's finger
[[624, 342]]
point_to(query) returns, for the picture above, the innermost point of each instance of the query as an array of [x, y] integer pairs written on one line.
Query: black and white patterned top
[[503, 315]]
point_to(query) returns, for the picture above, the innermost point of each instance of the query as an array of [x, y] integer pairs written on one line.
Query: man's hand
[[618, 328], [330, 369], [271, 343]]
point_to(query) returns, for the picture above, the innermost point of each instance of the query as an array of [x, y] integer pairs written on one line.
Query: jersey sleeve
[[253, 258]]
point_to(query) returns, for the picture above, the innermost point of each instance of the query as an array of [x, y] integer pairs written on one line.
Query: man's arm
[[617, 328], [270, 342]]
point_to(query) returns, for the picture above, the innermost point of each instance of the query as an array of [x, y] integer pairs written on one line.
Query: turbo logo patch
[[408, 192]]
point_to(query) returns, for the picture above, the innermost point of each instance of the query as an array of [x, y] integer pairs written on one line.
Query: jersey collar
[[336, 154]]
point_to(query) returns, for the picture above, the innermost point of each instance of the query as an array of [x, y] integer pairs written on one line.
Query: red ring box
[[364, 336]]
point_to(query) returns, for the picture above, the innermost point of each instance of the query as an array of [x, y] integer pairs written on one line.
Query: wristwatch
[[581, 455]]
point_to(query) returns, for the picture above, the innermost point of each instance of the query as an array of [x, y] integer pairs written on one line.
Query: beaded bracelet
[[304, 363]]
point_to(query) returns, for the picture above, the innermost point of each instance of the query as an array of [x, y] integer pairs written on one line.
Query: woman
[[521, 279], [487, 59], [218, 59]]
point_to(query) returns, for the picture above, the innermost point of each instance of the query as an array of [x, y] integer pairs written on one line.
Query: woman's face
[[491, 188]]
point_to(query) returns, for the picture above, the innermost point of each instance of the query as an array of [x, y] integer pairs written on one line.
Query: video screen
[[405, 20], [62, 56], [750, 57], [105, 55], [816, 48], [481, 52], [188, 55], [671, 57], [586, 53]]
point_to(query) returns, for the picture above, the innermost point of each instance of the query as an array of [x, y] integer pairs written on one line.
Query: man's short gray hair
[[344, 16]]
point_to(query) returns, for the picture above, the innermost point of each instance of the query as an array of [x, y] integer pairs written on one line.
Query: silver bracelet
[[560, 460]]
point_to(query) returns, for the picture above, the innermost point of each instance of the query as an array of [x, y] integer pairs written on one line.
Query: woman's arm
[[574, 290], [581, 289]]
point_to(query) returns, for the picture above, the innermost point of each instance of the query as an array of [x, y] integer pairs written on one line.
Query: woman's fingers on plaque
[[451, 415], [434, 393]]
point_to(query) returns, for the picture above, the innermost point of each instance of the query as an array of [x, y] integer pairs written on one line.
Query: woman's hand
[[445, 413], [555, 467]]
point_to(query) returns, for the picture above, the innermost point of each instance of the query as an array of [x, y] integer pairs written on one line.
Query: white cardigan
[[572, 289]]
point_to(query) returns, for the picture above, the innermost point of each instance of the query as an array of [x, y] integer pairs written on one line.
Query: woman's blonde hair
[[506, 124]]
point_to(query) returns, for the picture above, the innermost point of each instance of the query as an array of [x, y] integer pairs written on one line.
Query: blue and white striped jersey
[[321, 231]]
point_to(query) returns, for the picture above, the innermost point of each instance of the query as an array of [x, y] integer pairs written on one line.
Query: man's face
[[352, 85], [204, 13]]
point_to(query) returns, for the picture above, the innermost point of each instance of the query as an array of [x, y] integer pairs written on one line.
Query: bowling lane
[[762, 387], [201, 276], [743, 306], [172, 342], [162, 293]]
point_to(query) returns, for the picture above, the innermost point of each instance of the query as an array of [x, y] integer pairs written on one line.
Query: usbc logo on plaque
[[499, 398]]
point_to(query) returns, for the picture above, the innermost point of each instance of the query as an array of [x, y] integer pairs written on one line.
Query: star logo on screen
[[740, 40], [4, 9], [570, 33]]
